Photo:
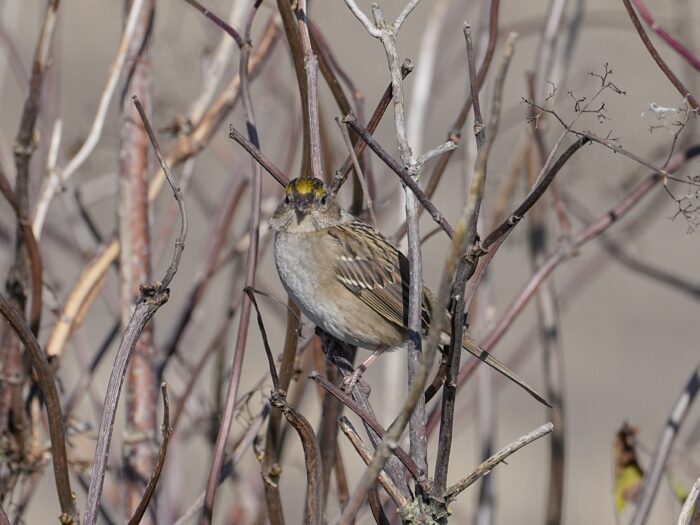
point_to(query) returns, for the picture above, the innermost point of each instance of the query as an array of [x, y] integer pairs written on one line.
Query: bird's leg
[[350, 380]]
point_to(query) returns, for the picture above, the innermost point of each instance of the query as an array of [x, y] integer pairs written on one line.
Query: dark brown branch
[[312, 458], [27, 264], [274, 437], [24, 227], [402, 172], [166, 430], [258, 155], [464, 246], [53, 409], [342, 173], [291, 30], [312, 453], [657, 58], [503, 229], [493, 241]]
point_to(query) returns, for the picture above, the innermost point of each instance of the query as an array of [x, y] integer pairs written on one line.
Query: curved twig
[[53, 410], [166, 430]]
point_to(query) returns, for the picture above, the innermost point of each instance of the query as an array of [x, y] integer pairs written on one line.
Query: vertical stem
[[251, 265], [418, 440], [139, 448], [548, 322]]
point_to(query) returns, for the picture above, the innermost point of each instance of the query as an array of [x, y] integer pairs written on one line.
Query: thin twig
[[259, 156], [312, 458], [342, 173], [358, 170], [47, 384], [402, 172], [401, 454], [58, 177], [218, 21], [366, 456], [657, 58], [679, 48], [251, 264], [166, 430], [497, 458]]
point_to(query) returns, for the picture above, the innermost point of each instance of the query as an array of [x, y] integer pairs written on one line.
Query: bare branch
[[657, 58], [47, 384], [166, 430], [497, 458], [366, 456]]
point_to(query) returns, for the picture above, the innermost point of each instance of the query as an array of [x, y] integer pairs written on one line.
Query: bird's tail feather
[[494, 363]]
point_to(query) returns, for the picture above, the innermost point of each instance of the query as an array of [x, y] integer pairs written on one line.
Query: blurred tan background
[[629, 343]]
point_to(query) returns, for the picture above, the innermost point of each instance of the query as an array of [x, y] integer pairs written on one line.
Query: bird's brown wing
[[375, 271]]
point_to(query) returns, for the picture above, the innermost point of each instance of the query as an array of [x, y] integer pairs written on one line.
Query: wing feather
[[376, 272]]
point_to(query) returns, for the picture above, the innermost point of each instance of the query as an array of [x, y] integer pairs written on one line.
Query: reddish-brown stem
[[657, 58], [679, 48], [138, 452], [251, 264], [589, 232]]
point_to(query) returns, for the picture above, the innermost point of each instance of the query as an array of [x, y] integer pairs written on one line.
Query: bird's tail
[[474, 349]]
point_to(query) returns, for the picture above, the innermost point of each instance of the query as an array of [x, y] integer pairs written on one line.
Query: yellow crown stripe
[[305, 186]]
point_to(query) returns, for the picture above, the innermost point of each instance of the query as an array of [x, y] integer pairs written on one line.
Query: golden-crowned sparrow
[[347, 277]]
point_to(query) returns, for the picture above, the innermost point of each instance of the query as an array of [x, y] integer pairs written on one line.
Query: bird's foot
[[351, 380]]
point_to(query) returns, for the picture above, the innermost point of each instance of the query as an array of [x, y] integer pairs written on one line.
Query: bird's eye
[[286, 199], [324, 200]]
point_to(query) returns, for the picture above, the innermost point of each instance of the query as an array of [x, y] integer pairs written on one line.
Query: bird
[[349, 279]]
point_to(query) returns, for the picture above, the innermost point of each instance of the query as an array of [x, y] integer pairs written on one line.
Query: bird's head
[[307, 206]]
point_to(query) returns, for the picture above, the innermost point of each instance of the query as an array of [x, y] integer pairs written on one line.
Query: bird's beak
[[301, 205]]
